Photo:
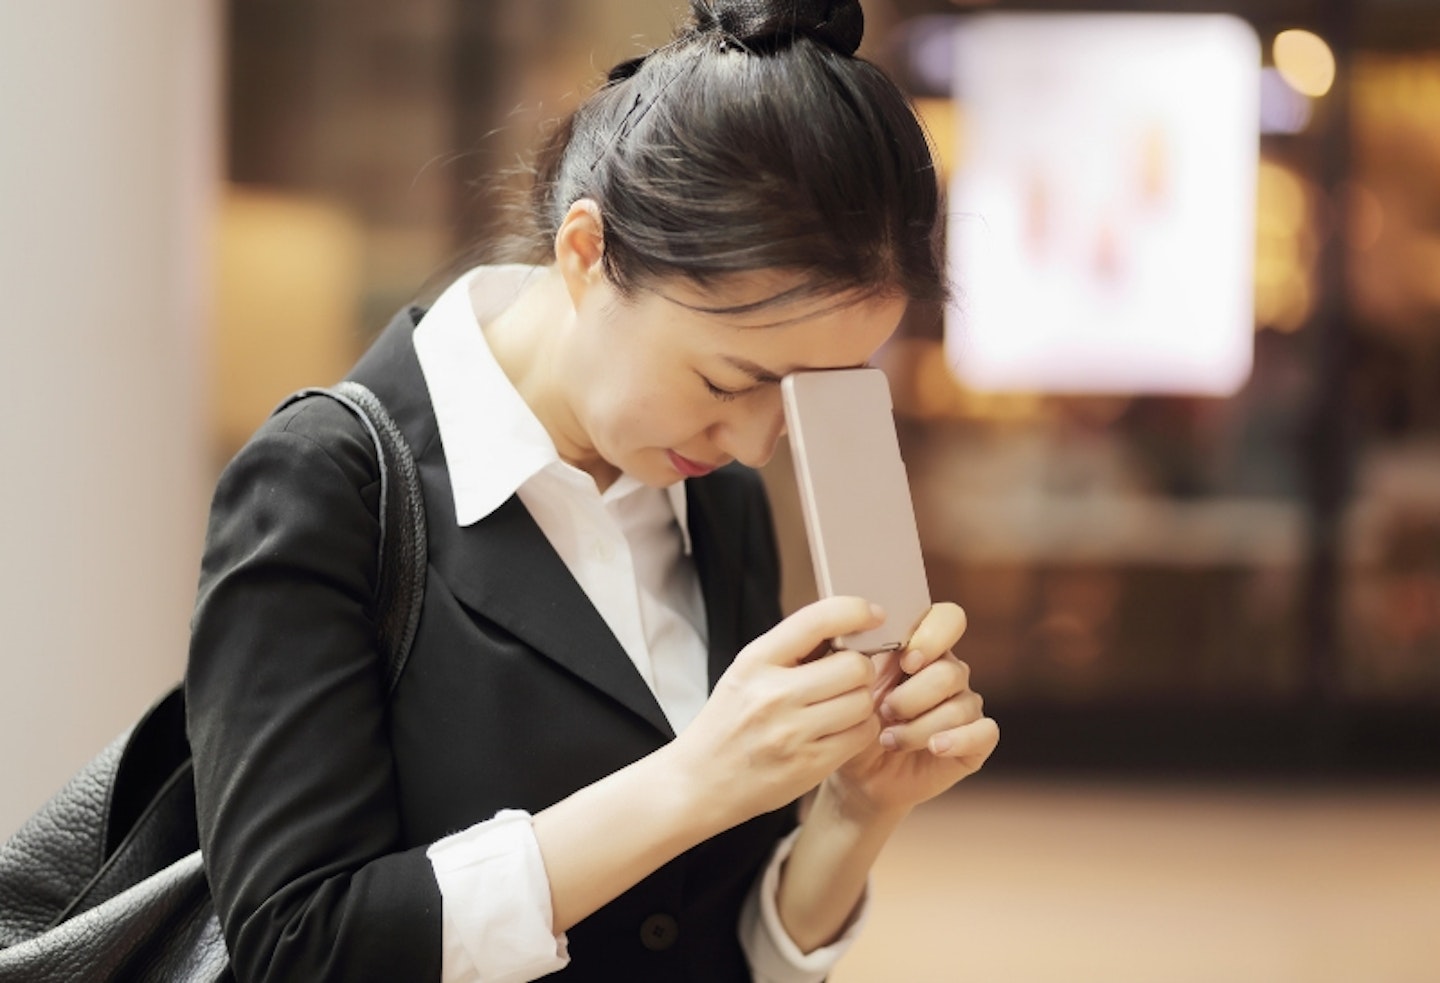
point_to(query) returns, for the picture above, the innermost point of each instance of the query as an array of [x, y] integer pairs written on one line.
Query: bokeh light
[[1305, 61]]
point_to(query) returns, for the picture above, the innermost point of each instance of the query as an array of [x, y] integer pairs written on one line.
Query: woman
[[592, 760]]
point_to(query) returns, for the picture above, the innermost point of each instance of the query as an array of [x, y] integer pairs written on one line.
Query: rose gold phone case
[[856, 499]]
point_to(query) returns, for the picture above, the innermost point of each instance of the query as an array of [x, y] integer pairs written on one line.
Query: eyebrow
[[763, 375], [757, 372]]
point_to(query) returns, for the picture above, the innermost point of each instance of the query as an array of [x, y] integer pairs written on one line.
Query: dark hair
[[755, 140]]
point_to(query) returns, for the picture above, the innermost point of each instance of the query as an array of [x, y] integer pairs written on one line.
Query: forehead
[[770, 320], [758, 298]]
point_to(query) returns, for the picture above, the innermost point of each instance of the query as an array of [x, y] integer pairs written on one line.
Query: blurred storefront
[[1176, 583]]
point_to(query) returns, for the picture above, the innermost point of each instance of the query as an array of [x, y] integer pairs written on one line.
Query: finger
[[972, 743], [939, 681], [793, 640], [951, 715], [838, 672], [836, 716], [937, 634], [845, 744]]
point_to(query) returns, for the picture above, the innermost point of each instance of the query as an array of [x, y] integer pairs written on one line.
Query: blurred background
[[1204, 605]]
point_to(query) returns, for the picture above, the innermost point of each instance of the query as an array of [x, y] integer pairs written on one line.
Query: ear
[[579, 248]]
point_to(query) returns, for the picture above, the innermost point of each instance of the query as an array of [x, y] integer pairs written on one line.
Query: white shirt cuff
[[773, 955], [496, 907]]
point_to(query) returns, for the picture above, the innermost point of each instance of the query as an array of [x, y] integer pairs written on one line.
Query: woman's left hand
[[935, 731]]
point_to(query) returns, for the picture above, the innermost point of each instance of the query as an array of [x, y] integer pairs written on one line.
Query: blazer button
[[659, 932]]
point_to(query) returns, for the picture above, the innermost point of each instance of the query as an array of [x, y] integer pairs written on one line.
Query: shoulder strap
[[403, 560]]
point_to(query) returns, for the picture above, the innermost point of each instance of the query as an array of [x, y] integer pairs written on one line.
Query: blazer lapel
[[502, 568]]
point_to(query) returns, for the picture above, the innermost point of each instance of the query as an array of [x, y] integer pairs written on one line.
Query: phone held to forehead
[[855, 498]]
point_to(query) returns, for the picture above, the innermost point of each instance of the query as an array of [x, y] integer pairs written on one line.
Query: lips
[[687, 467]]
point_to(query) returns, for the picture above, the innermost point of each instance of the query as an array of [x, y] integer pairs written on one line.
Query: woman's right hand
[[777, 724], [778, 721]]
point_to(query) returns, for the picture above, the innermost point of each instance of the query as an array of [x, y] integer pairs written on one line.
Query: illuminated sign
[[1102, 214]]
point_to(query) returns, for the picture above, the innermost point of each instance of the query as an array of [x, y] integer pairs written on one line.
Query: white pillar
[[109, 140]]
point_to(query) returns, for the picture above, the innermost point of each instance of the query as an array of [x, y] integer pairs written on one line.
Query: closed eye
[[724, 395]]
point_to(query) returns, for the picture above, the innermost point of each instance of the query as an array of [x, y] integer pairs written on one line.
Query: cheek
[[644, 399], [652, 416], [670, 419], [666, 416]]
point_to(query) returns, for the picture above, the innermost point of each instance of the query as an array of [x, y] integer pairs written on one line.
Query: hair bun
[[838, 23]]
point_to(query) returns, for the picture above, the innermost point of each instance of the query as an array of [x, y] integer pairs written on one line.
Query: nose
[[749, 434]]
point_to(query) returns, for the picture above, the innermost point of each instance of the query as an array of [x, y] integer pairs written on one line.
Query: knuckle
[[945, 672], [961, 671], [785, 739]]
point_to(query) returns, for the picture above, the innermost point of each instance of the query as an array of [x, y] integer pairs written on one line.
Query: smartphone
[[855, 497]]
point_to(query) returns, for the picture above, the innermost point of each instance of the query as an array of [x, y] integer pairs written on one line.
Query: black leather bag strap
[[403, 559]]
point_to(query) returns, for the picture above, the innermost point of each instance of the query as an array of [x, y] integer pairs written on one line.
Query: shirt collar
[[493, 441]]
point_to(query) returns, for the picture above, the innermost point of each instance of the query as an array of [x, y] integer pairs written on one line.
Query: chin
[[661, 478], [648, 471]]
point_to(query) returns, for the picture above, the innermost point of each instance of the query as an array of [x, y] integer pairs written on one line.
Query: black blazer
[[318, 797]]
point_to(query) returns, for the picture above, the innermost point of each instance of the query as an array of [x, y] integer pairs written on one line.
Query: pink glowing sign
[[1102, 213]]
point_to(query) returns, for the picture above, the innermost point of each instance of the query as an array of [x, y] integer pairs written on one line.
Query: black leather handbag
[[105, 882]]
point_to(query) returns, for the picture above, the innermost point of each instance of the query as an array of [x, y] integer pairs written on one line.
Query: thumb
[[796, 638]]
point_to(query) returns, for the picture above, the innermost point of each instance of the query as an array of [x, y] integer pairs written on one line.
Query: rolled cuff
[[497, 911], [773, 955]]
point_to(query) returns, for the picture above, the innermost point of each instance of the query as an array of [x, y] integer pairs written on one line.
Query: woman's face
[[663, 392]]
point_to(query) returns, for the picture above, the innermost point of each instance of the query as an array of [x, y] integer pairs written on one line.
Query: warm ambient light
[[1305, 61], [1285, 249]]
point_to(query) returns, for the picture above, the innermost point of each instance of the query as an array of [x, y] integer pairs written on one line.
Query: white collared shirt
[[629, 550], [627, 547]]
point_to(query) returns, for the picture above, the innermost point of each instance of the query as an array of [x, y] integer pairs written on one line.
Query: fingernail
[[886, 713], [888, 740], [876, 611], [940, 743], [910, 661]]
